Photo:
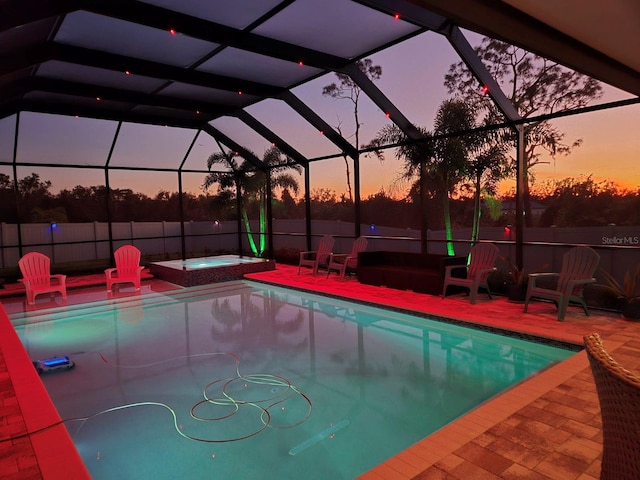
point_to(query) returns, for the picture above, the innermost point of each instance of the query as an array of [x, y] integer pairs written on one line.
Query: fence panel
[[78, 242]]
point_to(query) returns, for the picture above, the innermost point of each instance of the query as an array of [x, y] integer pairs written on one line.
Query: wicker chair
[[619, 395]]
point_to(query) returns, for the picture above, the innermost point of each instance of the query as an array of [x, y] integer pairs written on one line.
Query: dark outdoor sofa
[[423, 273]]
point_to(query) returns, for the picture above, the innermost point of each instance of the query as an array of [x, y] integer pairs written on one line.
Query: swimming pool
[[296, 382]]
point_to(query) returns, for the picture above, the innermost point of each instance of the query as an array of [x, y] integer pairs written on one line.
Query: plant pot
[[516, 293], [631, 309]]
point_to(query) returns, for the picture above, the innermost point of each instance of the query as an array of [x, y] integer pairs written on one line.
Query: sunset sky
[[412, 78]]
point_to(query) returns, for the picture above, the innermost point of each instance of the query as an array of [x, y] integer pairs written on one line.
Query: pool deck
[[547, 427]]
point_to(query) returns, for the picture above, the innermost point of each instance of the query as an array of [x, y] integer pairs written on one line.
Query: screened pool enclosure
[[254, 127]]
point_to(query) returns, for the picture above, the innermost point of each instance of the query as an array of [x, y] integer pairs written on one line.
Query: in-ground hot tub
[[205, 270]]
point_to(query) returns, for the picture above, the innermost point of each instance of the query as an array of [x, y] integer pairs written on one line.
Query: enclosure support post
[[356, 194], [183, 243], [307, 206], [269, 218], [16, 190], [520, 189], [239, 212]]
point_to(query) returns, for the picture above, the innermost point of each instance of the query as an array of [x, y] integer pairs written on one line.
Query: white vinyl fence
[[78, 242]]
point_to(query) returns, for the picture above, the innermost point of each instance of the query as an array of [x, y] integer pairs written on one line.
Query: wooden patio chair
[[347, 261], [619, 396], [482, 261], [36, 277], [127, 269], [578, 266], [316, 258]]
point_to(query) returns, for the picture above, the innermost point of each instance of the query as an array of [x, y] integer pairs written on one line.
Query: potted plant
[[517, 280], [627, 293]]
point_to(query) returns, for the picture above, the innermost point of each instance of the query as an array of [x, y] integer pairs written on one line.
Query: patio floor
[[547, 427]]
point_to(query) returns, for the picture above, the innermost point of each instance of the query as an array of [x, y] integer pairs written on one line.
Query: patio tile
[[484, 458], [561, 467], [519, 472]]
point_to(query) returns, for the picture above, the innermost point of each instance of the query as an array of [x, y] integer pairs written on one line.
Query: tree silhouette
[[35, 199], [488, 164], [347, 89], [535, 86], [7, 200], [441, 161], [585, 202], [252, 185], [450, 163], [84, 204], [569, 202]]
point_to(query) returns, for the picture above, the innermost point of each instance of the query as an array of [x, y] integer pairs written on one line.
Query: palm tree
[[451, 160], [441, 160], [488, 164], [252, 185], [487, 168]]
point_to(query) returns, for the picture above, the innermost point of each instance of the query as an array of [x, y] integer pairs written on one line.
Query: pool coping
[[38, 412]]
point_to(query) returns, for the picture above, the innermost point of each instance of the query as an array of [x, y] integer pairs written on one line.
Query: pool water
[[209, 262], [242, 380]]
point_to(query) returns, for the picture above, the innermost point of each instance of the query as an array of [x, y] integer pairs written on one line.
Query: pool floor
[[331, 375]]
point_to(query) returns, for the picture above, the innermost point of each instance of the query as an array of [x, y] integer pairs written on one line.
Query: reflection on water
[[297, 384]]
